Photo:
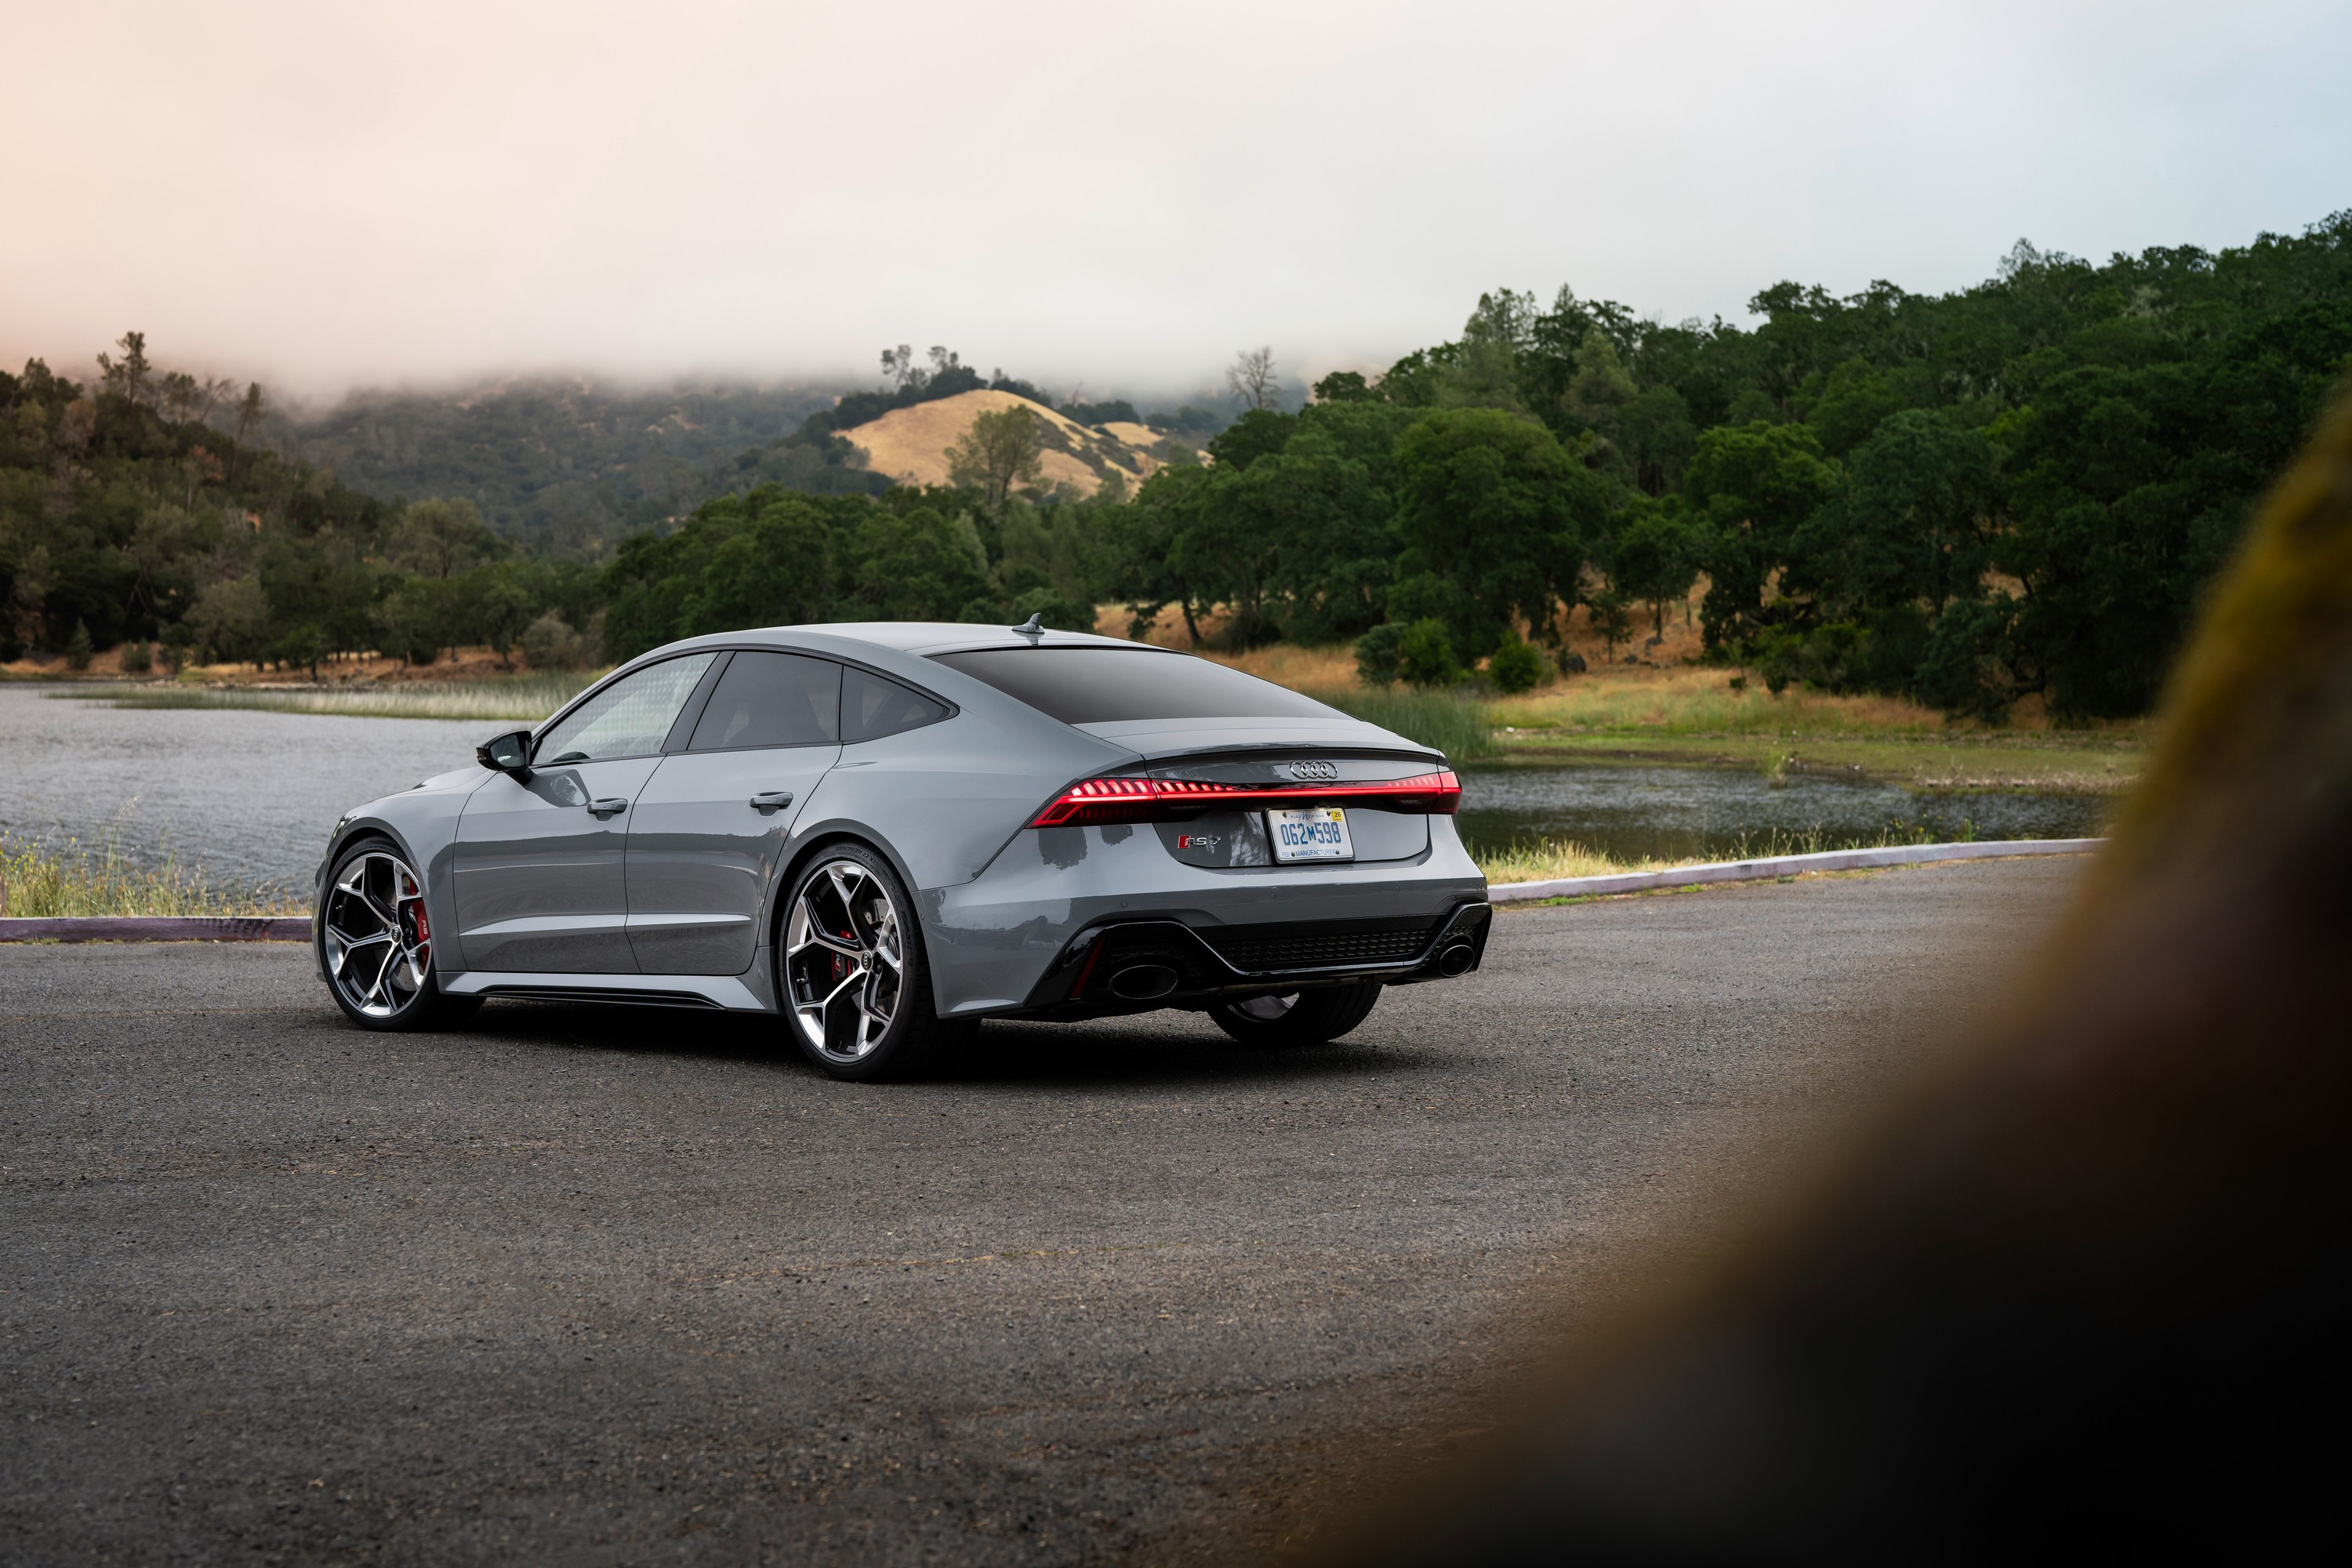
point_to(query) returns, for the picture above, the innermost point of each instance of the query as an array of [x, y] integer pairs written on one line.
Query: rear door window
[[772, 699], [1108, 685], [872, 707]]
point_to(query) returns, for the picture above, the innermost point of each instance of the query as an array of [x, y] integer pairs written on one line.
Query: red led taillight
[[1096, 801]]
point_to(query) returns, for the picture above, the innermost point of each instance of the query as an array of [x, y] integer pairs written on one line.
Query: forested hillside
[[126, 517], [568, 467]]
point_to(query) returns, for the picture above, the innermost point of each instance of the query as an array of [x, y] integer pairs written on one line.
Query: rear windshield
[[1106, 685]]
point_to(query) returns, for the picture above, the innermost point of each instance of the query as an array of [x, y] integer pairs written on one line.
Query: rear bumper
[[1121, 967], [1001, 945]]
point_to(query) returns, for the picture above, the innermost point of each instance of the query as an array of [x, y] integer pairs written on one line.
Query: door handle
[[771, 800], [607, 806]]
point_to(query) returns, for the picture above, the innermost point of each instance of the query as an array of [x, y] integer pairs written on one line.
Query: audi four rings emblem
[[1315, 770]]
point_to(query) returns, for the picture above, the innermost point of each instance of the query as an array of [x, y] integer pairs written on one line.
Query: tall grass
[[1451, 721], [522, 697], [77, 880], [1544, 860]]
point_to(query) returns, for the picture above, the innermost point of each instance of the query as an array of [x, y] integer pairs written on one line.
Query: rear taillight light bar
[[1107, 800]]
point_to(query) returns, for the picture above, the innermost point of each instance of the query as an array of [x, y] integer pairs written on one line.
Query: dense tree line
[[129, 516], [2018, 488], [781, 557]]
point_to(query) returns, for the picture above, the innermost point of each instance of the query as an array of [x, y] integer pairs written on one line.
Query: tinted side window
[[772, 699], [630, 718], [872, 707]]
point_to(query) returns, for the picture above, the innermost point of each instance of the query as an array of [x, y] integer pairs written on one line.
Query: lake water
[[248, 796], [1708, 814], [245, 796]]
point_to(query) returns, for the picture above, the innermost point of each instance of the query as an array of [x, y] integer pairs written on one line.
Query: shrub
[[138, 658], [549, 643], [78, 648], [1376, 654], [1425, 654], [1827, 657], [1516, 667]]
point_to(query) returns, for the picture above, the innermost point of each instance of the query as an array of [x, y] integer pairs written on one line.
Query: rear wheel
[[1301, 1018], [375, 942], [856, 991]]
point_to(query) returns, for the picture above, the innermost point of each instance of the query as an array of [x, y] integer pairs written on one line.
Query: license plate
[[1313, 833]]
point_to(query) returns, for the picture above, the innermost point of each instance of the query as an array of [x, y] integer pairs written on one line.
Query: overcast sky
[[325, 194]]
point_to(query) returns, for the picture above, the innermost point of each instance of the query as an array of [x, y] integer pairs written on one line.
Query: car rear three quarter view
[[887, 832]]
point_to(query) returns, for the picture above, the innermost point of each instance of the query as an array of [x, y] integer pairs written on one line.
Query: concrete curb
[[158, 928], [1782, 866]]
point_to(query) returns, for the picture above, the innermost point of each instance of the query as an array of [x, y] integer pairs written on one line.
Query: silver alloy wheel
[[379, 942], [1267, 1009], [845, 961]]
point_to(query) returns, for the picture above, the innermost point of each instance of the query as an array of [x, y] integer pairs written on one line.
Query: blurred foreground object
[[2094, 1293]]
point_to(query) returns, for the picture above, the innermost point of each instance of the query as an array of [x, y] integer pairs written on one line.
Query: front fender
[[422, 823]]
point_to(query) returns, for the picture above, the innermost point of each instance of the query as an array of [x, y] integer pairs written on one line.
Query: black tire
[[375, 943], [1302, 1018], [851, 972]]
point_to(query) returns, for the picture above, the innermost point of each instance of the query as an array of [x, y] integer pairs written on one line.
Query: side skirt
[[727, 992]]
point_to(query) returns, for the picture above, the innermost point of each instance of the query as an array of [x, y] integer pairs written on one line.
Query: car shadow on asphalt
[[1149, 1051]]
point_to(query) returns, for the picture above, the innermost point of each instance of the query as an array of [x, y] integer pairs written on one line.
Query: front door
[[539, 860], [708, 832]]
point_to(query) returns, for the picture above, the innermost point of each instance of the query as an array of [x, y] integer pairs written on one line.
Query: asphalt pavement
[[622, 1286]]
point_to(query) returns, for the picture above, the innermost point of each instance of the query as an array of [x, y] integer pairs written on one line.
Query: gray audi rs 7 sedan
[[885, 832]]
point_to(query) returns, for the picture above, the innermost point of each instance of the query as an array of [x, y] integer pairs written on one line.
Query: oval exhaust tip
[[1455, 960], [1141, 982]]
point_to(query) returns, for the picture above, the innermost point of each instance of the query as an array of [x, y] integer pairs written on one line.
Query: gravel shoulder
[[622, 1286]]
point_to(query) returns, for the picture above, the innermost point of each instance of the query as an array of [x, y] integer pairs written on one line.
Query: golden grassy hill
[[910, 445]]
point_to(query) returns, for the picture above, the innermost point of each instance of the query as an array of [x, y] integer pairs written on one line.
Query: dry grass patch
[[1689, 699]]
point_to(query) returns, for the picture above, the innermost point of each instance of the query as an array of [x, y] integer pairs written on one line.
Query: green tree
[[778, 570], [443, 539], [1655, 559], [1001, 450], [1258, 433], [1755, 484], [230, 620], [918, 565], [1489, 504]]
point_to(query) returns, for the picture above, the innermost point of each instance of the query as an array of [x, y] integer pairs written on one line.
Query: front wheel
[[375, 942], [1301, 1018], [856, 988]]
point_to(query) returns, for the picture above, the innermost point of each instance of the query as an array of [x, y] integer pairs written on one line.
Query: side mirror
[[507, 754]]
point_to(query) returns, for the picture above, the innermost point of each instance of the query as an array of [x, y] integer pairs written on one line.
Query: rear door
[[708, 832], [541, 887]]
